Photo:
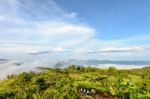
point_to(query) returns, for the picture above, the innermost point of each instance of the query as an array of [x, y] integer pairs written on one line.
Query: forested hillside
[[78, 83]]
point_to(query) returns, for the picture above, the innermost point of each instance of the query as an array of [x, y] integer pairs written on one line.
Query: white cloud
[[58, 49], [52, 33], [39, 52], [54, 50], [55, 29], [2, 18], [71, 15], [115, 50], [18, 49], [122, 49], [50, 25], [62, 32]]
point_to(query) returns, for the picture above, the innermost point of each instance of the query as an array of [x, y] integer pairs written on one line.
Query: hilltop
[[76, 82]]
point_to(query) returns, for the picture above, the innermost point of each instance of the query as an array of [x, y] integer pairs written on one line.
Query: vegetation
[[78, 83]]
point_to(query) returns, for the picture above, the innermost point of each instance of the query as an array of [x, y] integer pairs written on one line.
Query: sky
[[74, 29]]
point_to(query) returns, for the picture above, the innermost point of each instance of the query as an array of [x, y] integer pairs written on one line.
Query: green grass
[[67, 83]]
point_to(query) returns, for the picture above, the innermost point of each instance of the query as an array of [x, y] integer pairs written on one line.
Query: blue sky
[[112, 18], [73, 29]]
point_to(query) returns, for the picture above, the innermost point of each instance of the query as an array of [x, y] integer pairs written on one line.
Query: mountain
[[100, 62], [3, 61]]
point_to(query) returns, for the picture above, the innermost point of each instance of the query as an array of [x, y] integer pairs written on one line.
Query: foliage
[[67, 83]]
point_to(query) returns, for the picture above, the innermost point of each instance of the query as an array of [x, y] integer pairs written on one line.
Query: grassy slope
[[67, 84]]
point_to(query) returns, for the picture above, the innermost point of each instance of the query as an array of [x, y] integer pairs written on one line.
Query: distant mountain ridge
[[3, 61], [98, 62]]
